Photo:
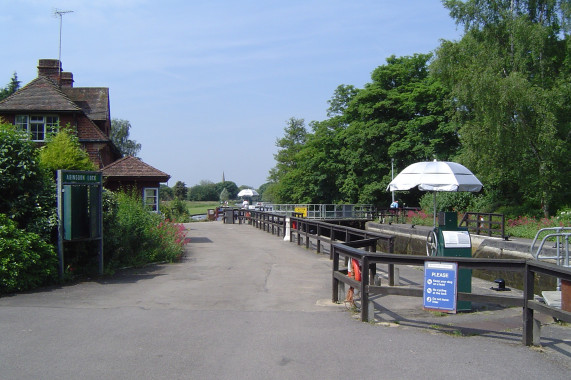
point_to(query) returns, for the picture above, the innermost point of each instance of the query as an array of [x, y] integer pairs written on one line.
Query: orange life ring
[[356, 269]]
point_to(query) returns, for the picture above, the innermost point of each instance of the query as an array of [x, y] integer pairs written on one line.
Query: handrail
[[528, 268], [369, 240], [267, 221], [559, 233], [329, 233], [484, 223]]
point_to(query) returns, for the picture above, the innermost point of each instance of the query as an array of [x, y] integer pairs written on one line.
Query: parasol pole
[[434, 217], [392, 177]]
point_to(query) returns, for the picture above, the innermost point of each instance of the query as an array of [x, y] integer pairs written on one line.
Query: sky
[[208, 86]]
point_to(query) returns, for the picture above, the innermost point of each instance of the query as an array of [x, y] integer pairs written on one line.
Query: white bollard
[[397, 276], [287, 230], [536, 332]]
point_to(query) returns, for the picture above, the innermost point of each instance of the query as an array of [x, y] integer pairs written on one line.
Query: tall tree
[[340, 100], [401, 115], [230, 187], [295, 136], [120, 137], [11, 88], [509, 80], [180, 190]]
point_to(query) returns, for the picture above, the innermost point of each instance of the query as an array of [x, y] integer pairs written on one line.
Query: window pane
[[22, 122], [151, 198], [52, 124], [37, 129]]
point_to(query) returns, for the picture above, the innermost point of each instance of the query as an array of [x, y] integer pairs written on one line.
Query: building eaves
[[132, 167]]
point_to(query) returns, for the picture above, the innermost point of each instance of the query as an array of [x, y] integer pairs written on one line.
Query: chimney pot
[[66, 79]]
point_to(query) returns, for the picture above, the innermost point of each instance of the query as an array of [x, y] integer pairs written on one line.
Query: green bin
[[454, 241]]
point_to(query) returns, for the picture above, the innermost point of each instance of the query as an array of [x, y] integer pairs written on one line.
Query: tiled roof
[[94, 101], [41, 94], [132, 167]]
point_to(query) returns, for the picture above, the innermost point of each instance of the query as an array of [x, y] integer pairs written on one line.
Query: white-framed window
[[151, 198], [38, 126]]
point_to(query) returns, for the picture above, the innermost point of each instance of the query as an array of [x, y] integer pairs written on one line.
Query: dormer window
[[38, 126]]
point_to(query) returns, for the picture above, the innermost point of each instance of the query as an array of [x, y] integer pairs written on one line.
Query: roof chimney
[[49, 68], [66, 79]]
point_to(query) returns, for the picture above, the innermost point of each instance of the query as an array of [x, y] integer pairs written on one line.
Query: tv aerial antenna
[[59, 13]]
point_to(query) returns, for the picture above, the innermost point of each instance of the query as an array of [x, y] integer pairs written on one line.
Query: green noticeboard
[[80, 211], [81, 204]]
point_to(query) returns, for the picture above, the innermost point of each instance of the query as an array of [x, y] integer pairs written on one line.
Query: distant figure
[[394, 206], [245, 203]]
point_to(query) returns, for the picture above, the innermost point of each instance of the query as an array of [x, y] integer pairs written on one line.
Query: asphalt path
[[242, 304]]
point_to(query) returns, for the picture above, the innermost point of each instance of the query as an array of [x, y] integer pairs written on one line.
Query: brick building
[[51, 100]]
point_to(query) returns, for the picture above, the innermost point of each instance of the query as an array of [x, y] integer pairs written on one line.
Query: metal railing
[[269, 222], [326, 211], [346, 242], [396, 215], [559, 236], [302, 229], [528, 268], [482, 223]]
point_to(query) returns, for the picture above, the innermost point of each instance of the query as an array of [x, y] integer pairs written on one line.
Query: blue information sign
[[440, 285]]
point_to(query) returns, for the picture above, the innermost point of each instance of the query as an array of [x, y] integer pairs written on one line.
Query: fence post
[[373, 269], [318, 238], [364, 285], [391, 267], [335, 284], [529, 277]]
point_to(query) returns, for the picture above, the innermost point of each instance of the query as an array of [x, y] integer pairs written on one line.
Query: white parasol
[[248, 193], [436, 176]]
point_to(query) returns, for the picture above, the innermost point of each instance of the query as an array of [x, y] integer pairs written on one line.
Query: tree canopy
[[63, 152], [509, 82], [347, 158], [497, 101], [11, 88], [120, 136]]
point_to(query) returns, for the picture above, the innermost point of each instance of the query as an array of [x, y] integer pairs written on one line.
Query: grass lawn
[[195, 208]]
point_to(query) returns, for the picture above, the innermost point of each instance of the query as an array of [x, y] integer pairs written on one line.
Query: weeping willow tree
[[510, 83]]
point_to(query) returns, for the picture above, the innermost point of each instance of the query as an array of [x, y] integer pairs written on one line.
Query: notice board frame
[[70, 181]]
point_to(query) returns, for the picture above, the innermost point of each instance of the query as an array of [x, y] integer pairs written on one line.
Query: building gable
[[40, 95]]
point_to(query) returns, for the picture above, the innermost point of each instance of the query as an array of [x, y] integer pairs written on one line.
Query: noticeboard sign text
[[440, 286]]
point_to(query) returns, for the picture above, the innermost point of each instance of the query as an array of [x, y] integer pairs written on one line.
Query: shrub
[[26, 261], [527, 227], [176, 210], [28, 191], [63, 151], [134, 236]]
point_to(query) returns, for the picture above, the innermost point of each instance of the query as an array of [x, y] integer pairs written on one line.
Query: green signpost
[[80, 212]]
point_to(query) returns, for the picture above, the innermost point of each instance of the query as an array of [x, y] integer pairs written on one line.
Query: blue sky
[[209, 85]]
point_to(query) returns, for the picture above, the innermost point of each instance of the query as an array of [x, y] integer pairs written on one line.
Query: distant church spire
[[223, 180]]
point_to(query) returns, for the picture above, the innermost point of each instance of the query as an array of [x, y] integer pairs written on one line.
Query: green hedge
[[26, 261]]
